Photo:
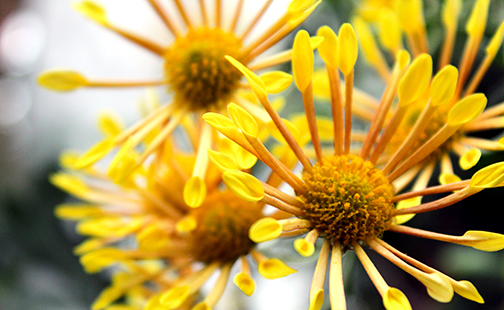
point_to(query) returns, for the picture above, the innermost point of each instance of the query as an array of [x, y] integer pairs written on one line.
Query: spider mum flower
[[347, 199], [195, 72], [413, 124], [157, 242]]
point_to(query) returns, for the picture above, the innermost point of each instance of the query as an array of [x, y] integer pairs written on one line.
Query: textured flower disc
[[223, 223], [197, 71], [347, 199]]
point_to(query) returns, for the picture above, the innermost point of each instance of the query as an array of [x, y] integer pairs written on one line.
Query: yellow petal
[[416, 79], [109, 124], [62, 80], [407, 203], [243, 185], [243, 120], [222, 161], [390, 31], [328, 48], [438, 286], [488, 177], [276, 81], [297, 6], [316, 41], [107, 296], [443, 85], [88, 245], [152, 238], [175, 297], [244, 283], [467, 109], [304, 248], [274, 268], [265, 229], [467, 290], [72, 212], [218, 121], [410, 14], [496, 41], [108, 226], [476, 23], [154, 303], [68, 159], [194, 192], [451, 11], [123, 166], [201, 306], [317, 300], [403, 59], [448, 178], [394, 299], [225, 126], [255, 82], [102, 258], [483, 240], [70, 184], [243, 158], [95, 153], [470, 158], [186, 224], [348, 48], [367, 41], [91, 10], [302, 60]]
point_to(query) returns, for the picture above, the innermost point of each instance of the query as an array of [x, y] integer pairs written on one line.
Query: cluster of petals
[[142, 230], [410, 80], [141, 215]]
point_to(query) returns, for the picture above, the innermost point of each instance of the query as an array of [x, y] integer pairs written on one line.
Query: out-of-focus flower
[[418, 121], [155, 241], [347, 199], [195, 73]]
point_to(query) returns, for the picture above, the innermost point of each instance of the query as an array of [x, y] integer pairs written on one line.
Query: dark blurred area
[[37, 267]]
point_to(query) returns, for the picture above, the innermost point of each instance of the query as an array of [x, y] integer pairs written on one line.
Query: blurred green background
[[37, 267]]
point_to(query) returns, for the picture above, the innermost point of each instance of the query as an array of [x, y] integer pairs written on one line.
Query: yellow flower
[[427, 114], [347, 198], [195, 73], [158, 242]]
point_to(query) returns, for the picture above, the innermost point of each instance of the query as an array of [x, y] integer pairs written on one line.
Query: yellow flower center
[[347, 199], [197, 71], [223, 223]]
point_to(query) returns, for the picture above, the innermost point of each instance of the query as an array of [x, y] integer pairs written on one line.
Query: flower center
[[223, 224], [347, 199], [197, 71]]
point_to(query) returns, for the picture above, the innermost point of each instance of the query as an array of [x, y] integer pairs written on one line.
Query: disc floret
[[347, 199], [223, 223], [197, 71]]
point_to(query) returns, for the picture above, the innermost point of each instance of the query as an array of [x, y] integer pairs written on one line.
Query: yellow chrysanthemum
[[347, 198], [158, 242], [421, 120], [195, 73]]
